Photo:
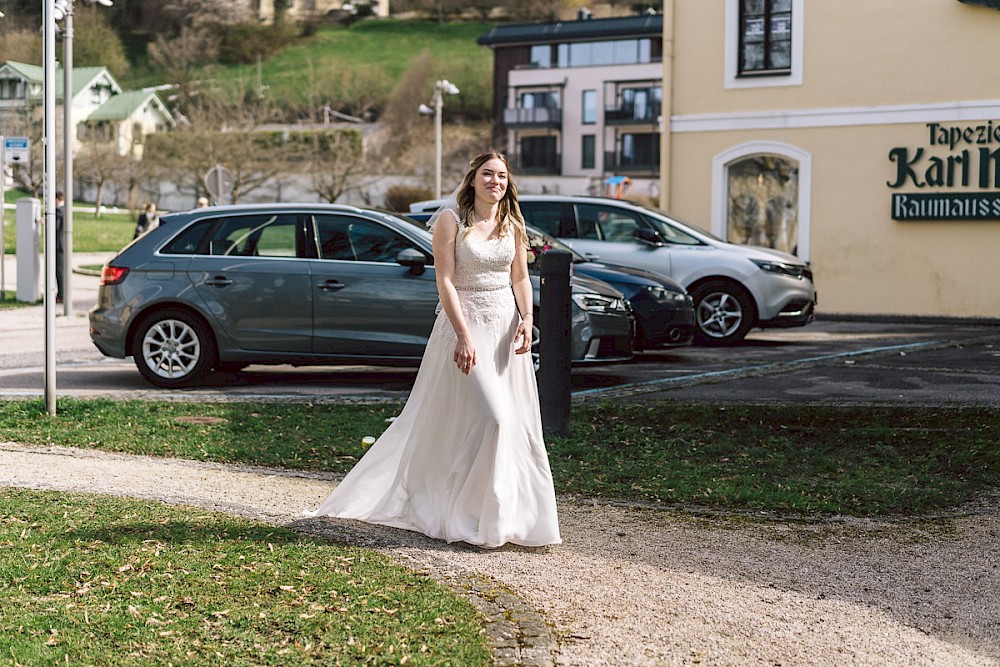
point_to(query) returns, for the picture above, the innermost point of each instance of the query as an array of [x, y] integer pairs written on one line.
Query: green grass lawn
[[108, 233], [776, 458], [94, 580], [10, 301], [86, 580]]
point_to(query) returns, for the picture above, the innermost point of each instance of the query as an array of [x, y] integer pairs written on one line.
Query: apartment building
[[578, 102], [861, 136]]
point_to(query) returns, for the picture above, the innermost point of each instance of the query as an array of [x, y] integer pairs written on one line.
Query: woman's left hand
[[524, 336]]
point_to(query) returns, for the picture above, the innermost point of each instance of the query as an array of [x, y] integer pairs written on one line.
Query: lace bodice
[[483, 265], [482, 279]]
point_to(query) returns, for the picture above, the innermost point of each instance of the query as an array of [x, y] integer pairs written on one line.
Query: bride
[[465, 459]]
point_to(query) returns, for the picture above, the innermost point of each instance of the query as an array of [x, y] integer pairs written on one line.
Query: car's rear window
[[189, 240]]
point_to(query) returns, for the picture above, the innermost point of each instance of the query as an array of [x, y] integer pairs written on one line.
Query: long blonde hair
[[509, 211]]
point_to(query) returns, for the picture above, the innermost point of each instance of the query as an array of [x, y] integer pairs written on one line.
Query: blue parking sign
[[16, 149]]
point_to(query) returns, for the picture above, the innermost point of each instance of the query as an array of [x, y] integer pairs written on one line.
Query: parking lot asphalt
[[851, 361], [836, 362]]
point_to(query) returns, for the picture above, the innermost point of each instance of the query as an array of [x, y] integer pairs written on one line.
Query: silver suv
[[734, 287]]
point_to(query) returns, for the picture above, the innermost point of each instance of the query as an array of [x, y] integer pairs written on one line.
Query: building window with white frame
[[588, 109], [765, 37]]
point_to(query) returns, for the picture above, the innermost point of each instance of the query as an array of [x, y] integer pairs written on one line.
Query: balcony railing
[[628, 115], [534, 117]]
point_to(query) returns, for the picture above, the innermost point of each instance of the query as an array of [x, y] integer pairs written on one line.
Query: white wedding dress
[[465, 459]]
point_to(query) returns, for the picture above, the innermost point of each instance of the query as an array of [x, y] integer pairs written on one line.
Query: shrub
[[399, 197], [244, 42]]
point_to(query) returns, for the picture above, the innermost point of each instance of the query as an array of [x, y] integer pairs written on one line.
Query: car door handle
[[219, 281], [329, 285], [591, 257]]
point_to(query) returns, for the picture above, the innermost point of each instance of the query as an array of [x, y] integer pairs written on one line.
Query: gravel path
[[634, 586]]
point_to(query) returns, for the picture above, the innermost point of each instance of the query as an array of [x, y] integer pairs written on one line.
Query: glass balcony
[[630, 114], [521, 118]]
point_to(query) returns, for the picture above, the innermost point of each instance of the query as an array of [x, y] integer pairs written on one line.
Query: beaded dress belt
[[482, 289]]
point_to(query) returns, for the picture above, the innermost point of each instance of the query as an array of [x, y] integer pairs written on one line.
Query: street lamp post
[[67, 267], [63, 11], [52, 12], [440, 87], [49, 106]]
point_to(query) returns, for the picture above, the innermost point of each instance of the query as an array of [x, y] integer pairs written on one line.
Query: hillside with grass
[[354, 69]]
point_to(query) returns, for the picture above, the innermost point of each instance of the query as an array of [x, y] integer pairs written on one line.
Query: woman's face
[[490, 182]]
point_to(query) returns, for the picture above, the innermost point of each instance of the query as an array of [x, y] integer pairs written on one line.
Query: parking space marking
[[744, 370]]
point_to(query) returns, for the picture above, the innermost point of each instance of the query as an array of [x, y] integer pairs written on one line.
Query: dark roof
[[566, 31]]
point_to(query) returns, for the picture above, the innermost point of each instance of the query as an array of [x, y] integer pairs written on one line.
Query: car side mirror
[[648, 236], [414, 259]]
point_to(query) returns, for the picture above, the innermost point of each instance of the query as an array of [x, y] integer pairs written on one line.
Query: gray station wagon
[[224, 287]]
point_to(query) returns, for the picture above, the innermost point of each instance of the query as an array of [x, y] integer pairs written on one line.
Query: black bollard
[[554, 342]]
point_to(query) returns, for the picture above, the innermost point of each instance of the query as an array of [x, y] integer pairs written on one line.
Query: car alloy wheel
[[173, 348], [723, 312]]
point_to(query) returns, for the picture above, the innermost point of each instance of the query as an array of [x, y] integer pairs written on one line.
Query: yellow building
[[862, 135]]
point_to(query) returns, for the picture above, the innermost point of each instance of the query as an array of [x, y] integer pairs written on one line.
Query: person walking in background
[[60, 256], [465, 460], [148, 220], [202, 202]]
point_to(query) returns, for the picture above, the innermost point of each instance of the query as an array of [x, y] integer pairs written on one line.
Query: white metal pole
[[68, 131], [3, 209], [49, 98], [438, 107]]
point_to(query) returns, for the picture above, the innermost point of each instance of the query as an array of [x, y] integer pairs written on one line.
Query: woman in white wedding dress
[[465, 459]]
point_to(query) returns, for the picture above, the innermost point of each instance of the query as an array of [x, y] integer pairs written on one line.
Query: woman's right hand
[[465, 355]]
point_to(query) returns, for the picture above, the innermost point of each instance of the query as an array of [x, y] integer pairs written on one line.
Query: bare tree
[[95, 42], [337, 156], [185, 155], [401, 117], [20, 45], [99, 163], [219, 131], [181, 57], [360, 91], [30, 175]]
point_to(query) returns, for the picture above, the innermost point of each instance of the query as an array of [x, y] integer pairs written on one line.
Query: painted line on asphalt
[[752, 369]]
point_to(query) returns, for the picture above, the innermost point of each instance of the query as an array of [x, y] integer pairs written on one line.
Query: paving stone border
[[517, 634]]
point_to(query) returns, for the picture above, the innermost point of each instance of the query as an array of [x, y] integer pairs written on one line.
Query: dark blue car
[[663, 310]]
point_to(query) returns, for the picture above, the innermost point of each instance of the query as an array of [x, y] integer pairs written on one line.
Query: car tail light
[[112, 275]]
